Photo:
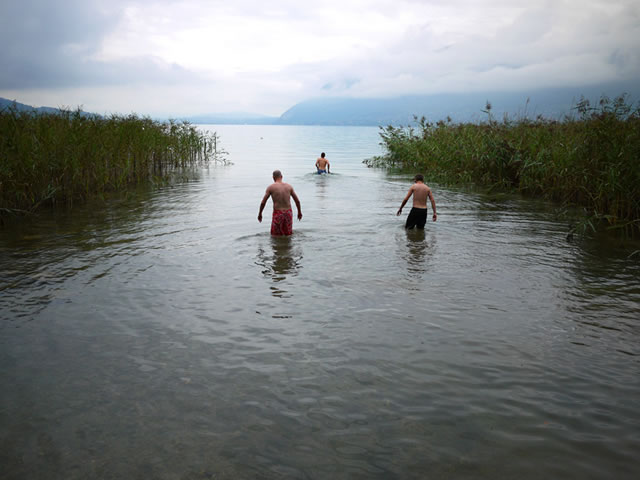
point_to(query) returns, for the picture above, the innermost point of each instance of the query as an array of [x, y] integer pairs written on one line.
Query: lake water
[[167, 335]]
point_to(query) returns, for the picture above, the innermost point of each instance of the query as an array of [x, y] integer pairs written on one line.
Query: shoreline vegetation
[[590, 160], [69, 156]]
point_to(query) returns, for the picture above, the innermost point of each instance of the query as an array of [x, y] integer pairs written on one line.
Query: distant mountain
[[21, 107], [237, 118], [553, 103]]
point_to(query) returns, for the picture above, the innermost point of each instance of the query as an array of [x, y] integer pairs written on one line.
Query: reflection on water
[[280, 261], [416, 247], [321, 187]]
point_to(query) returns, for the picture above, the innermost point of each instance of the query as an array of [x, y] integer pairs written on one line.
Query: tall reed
[[591, 159], [70, 156]]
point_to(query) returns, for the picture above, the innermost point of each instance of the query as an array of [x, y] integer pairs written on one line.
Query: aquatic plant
[[590, 159], [70, 156]]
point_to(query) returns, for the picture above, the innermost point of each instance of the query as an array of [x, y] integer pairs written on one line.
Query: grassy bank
[[591, 160], [65, 157]]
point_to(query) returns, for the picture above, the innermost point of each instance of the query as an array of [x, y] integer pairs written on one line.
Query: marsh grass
[[61, 158], [590, 160]]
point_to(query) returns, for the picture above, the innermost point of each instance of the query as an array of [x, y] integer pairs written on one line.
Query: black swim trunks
[[417, 218]]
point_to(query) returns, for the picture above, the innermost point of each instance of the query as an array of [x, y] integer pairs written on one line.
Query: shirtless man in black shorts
[[418, 214]]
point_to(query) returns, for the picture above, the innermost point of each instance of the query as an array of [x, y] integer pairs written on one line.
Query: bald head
[[277, 174]]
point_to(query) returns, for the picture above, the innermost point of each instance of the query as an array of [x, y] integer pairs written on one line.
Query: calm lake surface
[[167, 335]]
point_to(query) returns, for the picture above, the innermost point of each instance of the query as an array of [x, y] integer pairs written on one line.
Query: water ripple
[[173, 325]]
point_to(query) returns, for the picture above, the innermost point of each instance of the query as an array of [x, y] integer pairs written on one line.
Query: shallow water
[[168, 335]]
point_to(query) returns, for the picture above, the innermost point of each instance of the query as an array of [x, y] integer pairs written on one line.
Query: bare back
[[420, 194], [280, 195], [321, 163]]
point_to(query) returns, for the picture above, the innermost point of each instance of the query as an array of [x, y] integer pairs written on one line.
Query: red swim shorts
[[282, 222]]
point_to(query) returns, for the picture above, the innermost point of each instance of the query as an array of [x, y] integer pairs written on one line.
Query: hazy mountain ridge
[[551, 103], [22, 107], [232, 119]]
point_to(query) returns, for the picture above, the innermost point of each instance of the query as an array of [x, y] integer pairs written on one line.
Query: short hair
[[277, 174], [419, 178], [322, 154]]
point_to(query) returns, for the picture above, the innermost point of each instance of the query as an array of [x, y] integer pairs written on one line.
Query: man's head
[[277, 174], [322, 154], [418, 178]]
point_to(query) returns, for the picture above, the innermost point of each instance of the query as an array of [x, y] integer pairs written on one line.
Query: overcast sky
[[191, 57]]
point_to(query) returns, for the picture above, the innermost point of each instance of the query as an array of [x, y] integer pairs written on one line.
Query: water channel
[[165, 334]]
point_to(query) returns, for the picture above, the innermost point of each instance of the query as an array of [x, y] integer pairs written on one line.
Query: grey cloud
[[553, 46], [39, 25], [502, 44], [291, 10], [36, 32], [50, 44]]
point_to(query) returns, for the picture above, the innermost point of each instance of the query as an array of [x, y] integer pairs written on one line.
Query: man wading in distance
[[322, 164], [418, 214], [280, 193]]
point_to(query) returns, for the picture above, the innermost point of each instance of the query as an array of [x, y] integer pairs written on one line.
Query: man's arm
[[406, 199], [433, 205], [328, 165], [297, 200], [263, 203]]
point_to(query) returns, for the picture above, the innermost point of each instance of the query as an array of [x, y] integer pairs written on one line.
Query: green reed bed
[[591, 160], [71, 156]]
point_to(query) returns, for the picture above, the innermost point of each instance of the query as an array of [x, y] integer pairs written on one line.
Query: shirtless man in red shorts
[[280, 193]]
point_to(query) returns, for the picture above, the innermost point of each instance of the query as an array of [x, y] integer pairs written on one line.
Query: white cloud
[[189, 57]]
